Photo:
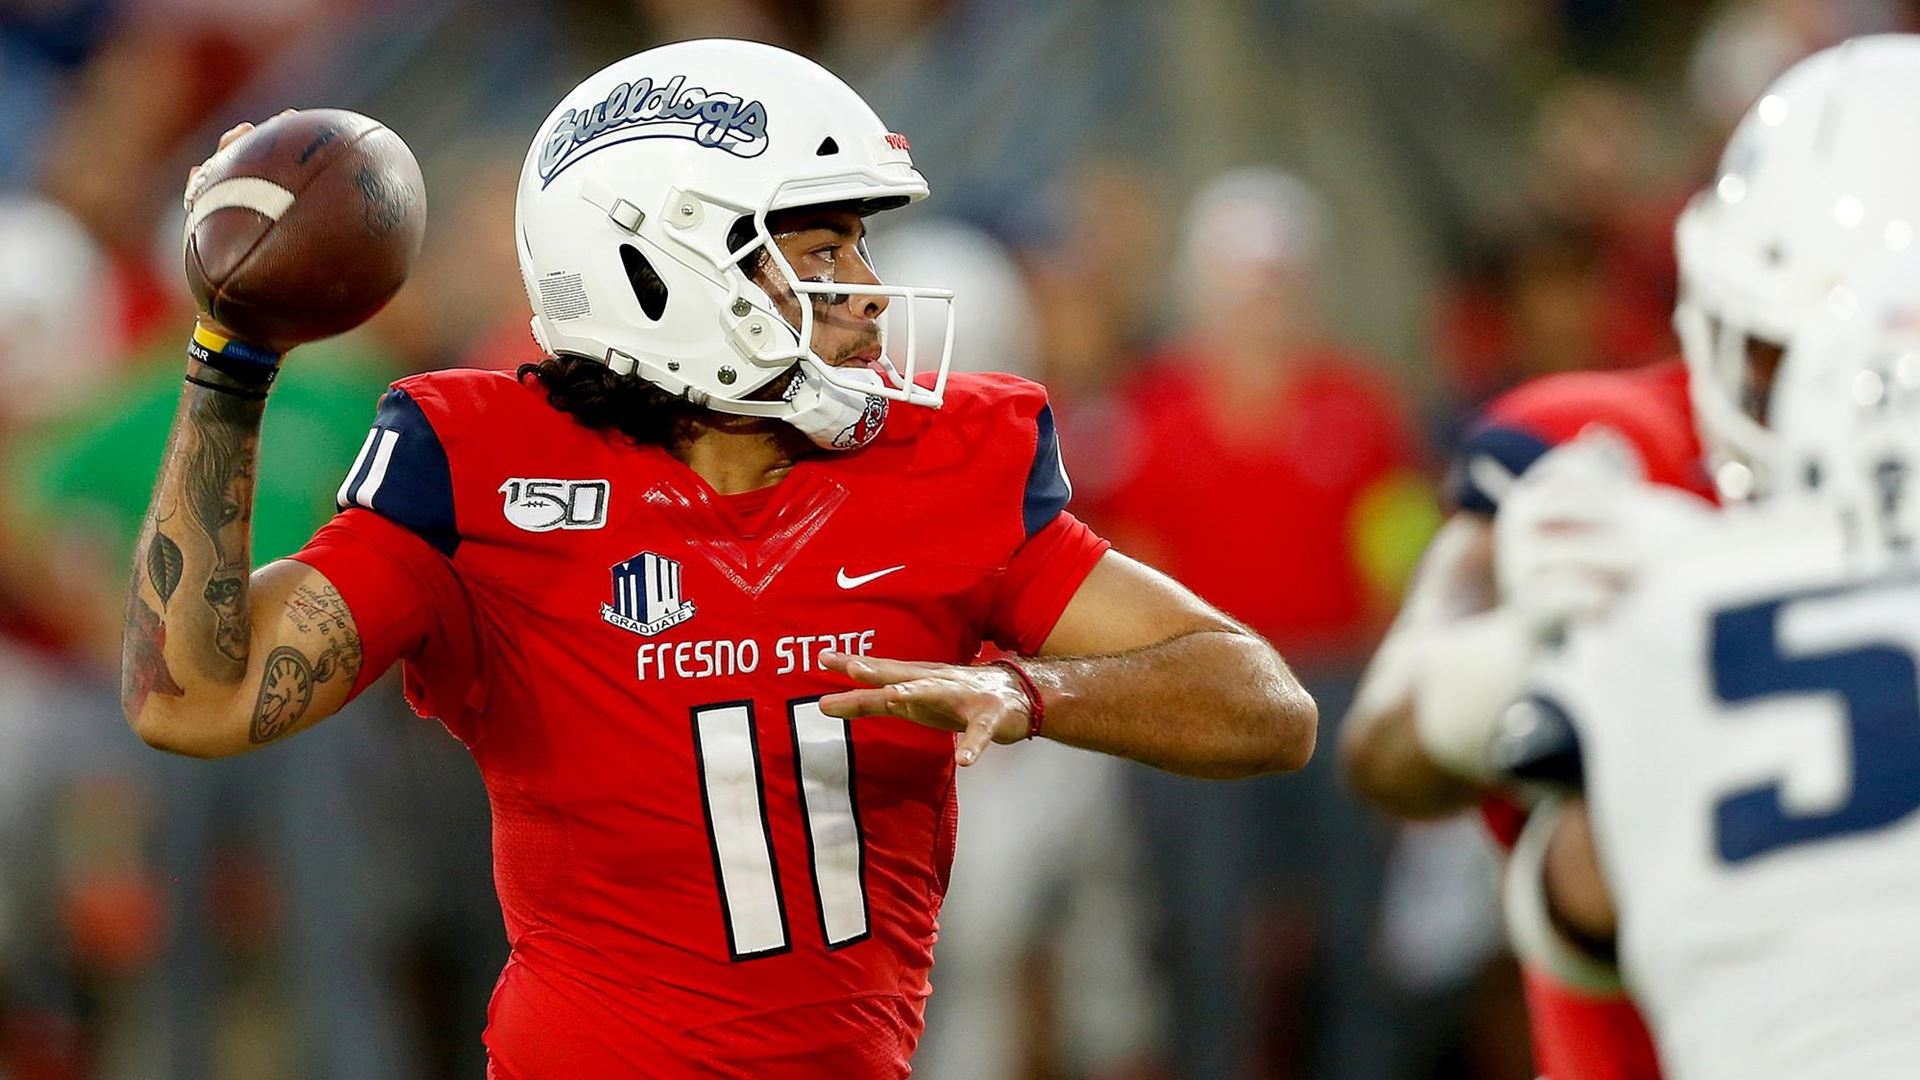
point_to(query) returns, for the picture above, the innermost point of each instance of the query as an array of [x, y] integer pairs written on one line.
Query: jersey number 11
[[733, 795]]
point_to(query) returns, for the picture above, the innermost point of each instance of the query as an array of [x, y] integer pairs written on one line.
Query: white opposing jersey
[[1749, 718]]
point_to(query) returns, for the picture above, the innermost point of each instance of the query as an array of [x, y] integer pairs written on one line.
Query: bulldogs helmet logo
[[643, 110]]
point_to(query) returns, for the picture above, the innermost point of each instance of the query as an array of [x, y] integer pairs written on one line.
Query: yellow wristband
[[237, 359]]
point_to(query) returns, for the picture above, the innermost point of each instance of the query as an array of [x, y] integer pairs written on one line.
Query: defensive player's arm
[[1381, 746], [1559, 909], [217, 661], [1136, 666], [1578, 899]]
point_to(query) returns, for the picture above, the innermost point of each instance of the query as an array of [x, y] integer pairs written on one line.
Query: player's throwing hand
[[985, 704]]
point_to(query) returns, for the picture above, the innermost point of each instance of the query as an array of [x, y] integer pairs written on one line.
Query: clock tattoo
[[286, 689]]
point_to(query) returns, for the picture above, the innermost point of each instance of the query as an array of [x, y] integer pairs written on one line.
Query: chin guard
[[833, 416]]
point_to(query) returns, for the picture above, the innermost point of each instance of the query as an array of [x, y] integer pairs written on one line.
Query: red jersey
[[700, 871], [1578, 1036]]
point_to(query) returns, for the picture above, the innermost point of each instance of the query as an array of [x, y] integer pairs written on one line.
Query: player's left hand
[[984, 704]]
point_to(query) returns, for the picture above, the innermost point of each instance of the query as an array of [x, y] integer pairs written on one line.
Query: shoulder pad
[[403, 475], [1005, 410]]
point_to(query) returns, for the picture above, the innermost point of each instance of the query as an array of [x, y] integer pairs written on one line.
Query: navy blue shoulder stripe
[[1487, 463], [1048, 488], [402, 474]]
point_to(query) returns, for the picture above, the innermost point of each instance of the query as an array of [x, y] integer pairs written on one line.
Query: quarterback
[[700, 589], [1817, 179]]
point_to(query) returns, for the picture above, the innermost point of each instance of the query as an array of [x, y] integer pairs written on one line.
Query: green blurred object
[[95, 468], [1392, 521]]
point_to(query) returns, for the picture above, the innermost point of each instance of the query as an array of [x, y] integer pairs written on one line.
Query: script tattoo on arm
[[322, 611], [290, 675]]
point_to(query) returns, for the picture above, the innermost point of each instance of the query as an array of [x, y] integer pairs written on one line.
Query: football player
[[1748, 835], [1818, 177], [658, 582]]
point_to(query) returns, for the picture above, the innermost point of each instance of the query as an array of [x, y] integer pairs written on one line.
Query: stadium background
[[1268, 254]]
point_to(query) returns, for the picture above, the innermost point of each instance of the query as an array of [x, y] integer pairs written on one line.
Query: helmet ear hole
[[647, 286], [738, 236]]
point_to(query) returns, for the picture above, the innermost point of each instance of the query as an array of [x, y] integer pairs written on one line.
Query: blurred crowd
[[1267, 255]]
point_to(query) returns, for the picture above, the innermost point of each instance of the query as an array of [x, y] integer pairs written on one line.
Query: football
[[304, 227]]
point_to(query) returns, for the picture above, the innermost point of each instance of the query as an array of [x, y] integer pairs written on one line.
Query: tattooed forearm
[[143, 663], [223, 431], [194, 546], [226, 594], [214, 674], [165, 564], [223, 434]]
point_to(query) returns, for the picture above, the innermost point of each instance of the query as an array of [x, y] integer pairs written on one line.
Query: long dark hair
[[594, 395]]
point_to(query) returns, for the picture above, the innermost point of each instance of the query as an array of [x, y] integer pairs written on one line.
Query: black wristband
[[231, 391], [243, 363]]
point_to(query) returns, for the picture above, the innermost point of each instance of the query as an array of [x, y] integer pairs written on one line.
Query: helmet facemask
[[1849, 416], [1730, 380]]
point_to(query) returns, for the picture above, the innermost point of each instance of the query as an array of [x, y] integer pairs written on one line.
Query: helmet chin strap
[[832, 415]]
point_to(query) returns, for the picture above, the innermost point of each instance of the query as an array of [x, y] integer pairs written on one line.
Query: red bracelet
[[1036, 708]]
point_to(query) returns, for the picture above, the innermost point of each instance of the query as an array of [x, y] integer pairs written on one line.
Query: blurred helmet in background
[[1250, 252], [996, 328], [649, 184], [1822, 174], [1257, 215], [1846, 412], [54, 284]]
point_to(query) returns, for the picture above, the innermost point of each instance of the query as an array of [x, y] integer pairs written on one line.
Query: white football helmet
[[1821, 175], [650, 183], [1847, 411]]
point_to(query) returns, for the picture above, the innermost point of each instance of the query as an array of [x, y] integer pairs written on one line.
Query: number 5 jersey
[[700, 871], [1749, 721]]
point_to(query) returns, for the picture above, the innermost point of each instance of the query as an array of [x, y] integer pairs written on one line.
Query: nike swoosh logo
[[855, 582]]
